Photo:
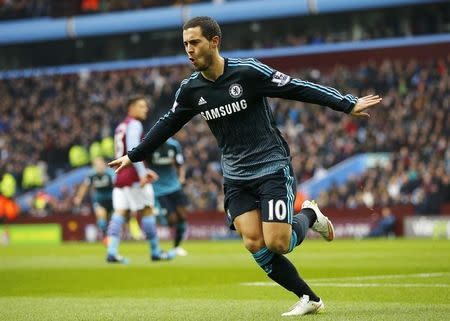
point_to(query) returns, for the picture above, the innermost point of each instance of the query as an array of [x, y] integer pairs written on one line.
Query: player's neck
[[216, 69], [134, 117]]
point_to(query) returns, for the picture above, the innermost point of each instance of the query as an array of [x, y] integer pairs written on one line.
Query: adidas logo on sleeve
[[201, 101]]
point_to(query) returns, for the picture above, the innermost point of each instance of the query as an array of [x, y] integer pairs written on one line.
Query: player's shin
[[149, 228], [180, 232], [114, 229], [300, 225], [283, 272], [102, 225]]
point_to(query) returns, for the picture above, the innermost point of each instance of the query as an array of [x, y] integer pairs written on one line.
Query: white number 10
[[279, 209]]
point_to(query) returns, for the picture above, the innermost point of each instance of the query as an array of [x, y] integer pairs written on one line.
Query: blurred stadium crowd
[[256, 34], [16, 9], [331, 28], [43, 117]]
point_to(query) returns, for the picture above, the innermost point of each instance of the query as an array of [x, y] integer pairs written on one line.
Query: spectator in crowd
[[384, 225]]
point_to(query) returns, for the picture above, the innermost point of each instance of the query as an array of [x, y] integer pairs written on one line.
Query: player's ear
[[215, 41]]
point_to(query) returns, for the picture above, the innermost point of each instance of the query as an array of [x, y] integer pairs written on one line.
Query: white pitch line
[[385, 276], [359, 285], [258, 284], [320, 282], [379, 285]]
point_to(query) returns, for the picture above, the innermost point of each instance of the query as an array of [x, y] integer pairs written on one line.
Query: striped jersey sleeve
[[273, 83], [180, 113], [90, 177]]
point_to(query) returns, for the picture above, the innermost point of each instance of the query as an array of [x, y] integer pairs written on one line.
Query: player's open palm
[[120, 163], [363, 104]]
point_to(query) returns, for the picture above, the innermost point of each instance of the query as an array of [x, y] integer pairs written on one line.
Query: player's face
[[199, 49], [140, 109], [99, 165]]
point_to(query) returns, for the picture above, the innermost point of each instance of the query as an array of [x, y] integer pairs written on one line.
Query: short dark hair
[[133, 99], [210, 28]]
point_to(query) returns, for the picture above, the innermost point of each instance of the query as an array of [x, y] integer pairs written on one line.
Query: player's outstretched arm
[[84, 187], [120, 163], [363, 104]]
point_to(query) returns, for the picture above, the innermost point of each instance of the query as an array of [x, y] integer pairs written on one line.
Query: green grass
[[72, 282]]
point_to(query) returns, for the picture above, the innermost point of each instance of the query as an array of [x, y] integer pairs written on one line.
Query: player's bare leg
[[101, 218], [277, 236], [249, 226]]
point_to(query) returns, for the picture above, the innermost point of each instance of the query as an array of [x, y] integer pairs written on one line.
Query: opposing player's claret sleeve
[[165, 127], [272, 83]]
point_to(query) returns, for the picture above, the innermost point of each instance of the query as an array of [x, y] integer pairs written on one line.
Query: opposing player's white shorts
[[133, 198]]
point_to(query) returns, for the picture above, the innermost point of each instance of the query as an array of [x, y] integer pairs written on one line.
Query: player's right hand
[[363, 104], [120, 163]]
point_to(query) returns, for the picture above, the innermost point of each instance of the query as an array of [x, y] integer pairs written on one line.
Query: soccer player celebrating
[[132, 190], [167, 161], [259, 184]]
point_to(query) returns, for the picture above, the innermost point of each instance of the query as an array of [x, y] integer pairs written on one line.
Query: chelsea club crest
[[235, 90]]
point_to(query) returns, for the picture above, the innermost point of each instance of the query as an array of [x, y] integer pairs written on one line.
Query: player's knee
[[171, 219], [100, 212], [181, 213], [147, 211], [280, 246], [253, 244]]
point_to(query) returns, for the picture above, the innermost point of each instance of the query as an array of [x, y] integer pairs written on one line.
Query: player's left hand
[[149, 177], [363, 104], [120, 163]]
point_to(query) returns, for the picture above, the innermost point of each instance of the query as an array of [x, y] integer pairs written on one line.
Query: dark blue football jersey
[[164, 162], [103, 184], [237, 112]]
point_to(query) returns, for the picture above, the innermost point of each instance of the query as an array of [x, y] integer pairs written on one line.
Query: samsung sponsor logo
[[227, 109]]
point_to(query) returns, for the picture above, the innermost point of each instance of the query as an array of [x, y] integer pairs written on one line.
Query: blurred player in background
[[230, 94], [132, 191], [167, 161], [101, 180]]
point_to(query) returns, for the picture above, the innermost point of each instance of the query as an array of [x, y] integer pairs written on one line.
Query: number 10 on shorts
[[279, 208]]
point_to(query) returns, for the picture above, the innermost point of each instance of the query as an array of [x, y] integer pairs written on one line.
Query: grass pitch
[[357, 280]]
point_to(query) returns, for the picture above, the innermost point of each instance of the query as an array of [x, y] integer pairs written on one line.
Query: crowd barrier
[[349, 223]]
